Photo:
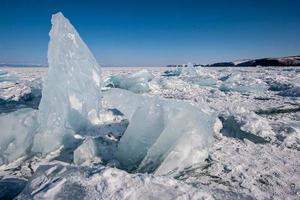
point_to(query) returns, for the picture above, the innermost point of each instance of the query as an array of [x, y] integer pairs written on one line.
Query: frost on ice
[[137, 82], [71, 92], [159, 138]]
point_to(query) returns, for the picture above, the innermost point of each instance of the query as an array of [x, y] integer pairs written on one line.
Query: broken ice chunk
[[16, 132], [125, 101], [71, 90], [164, 136], [137, 82], [239, 83], [86, 153], [144, 128], [244, 124], [184, 142]]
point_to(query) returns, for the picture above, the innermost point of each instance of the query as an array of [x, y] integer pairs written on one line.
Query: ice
[[292, 92], [11, 89], [4, 76], [91, 183], [86, 153], [71, 92], [173, 72], [159, 138], [189, 70], [237, 82], [16, 134], [144, 128], [137, 82], [10, 187], [198, 76], [244, 124], [184, 142], [125, 101]]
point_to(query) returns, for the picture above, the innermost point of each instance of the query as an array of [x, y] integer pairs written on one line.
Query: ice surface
[[10, 187], [250, 122], [292, 92], [11, 89], [4, 76], [144, 128], [164, 136], [137, 82], [91, 183], [71, 92], [16, 132], [173, 72], [184, 142], [198, 76], [86, 153], [235, 168], [237, 82]]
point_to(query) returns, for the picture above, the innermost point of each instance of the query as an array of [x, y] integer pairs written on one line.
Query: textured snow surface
[[71, 182], [71, 93], [255, 153]]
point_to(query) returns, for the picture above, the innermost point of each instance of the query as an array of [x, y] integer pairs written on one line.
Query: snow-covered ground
[[255, 153]]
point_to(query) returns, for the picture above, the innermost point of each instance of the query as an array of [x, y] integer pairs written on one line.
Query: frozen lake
[[255, 152]]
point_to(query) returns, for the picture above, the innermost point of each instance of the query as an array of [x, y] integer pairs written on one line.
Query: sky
[[154, 33]]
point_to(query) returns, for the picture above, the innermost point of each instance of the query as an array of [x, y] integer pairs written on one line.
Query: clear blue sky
[[154, 33]]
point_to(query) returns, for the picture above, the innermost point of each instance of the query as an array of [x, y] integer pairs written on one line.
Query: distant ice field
[[256, 139]]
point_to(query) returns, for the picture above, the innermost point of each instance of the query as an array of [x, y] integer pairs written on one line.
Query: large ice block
[[184, 142], [71, 94], [164, 136]]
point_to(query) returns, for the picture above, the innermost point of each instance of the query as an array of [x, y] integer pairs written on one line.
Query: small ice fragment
[[137, 82]]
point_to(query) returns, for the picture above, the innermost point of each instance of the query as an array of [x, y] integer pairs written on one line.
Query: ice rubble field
[[156, 133]]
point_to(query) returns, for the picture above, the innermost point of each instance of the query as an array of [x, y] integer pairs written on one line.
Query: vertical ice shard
[[71, 93], [144, 128]]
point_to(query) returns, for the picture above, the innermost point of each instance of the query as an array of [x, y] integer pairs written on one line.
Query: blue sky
[[154, 33]]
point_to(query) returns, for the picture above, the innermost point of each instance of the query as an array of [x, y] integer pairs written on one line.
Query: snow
[[11, 89], [71, 89], [70, 182], [235, 168]]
